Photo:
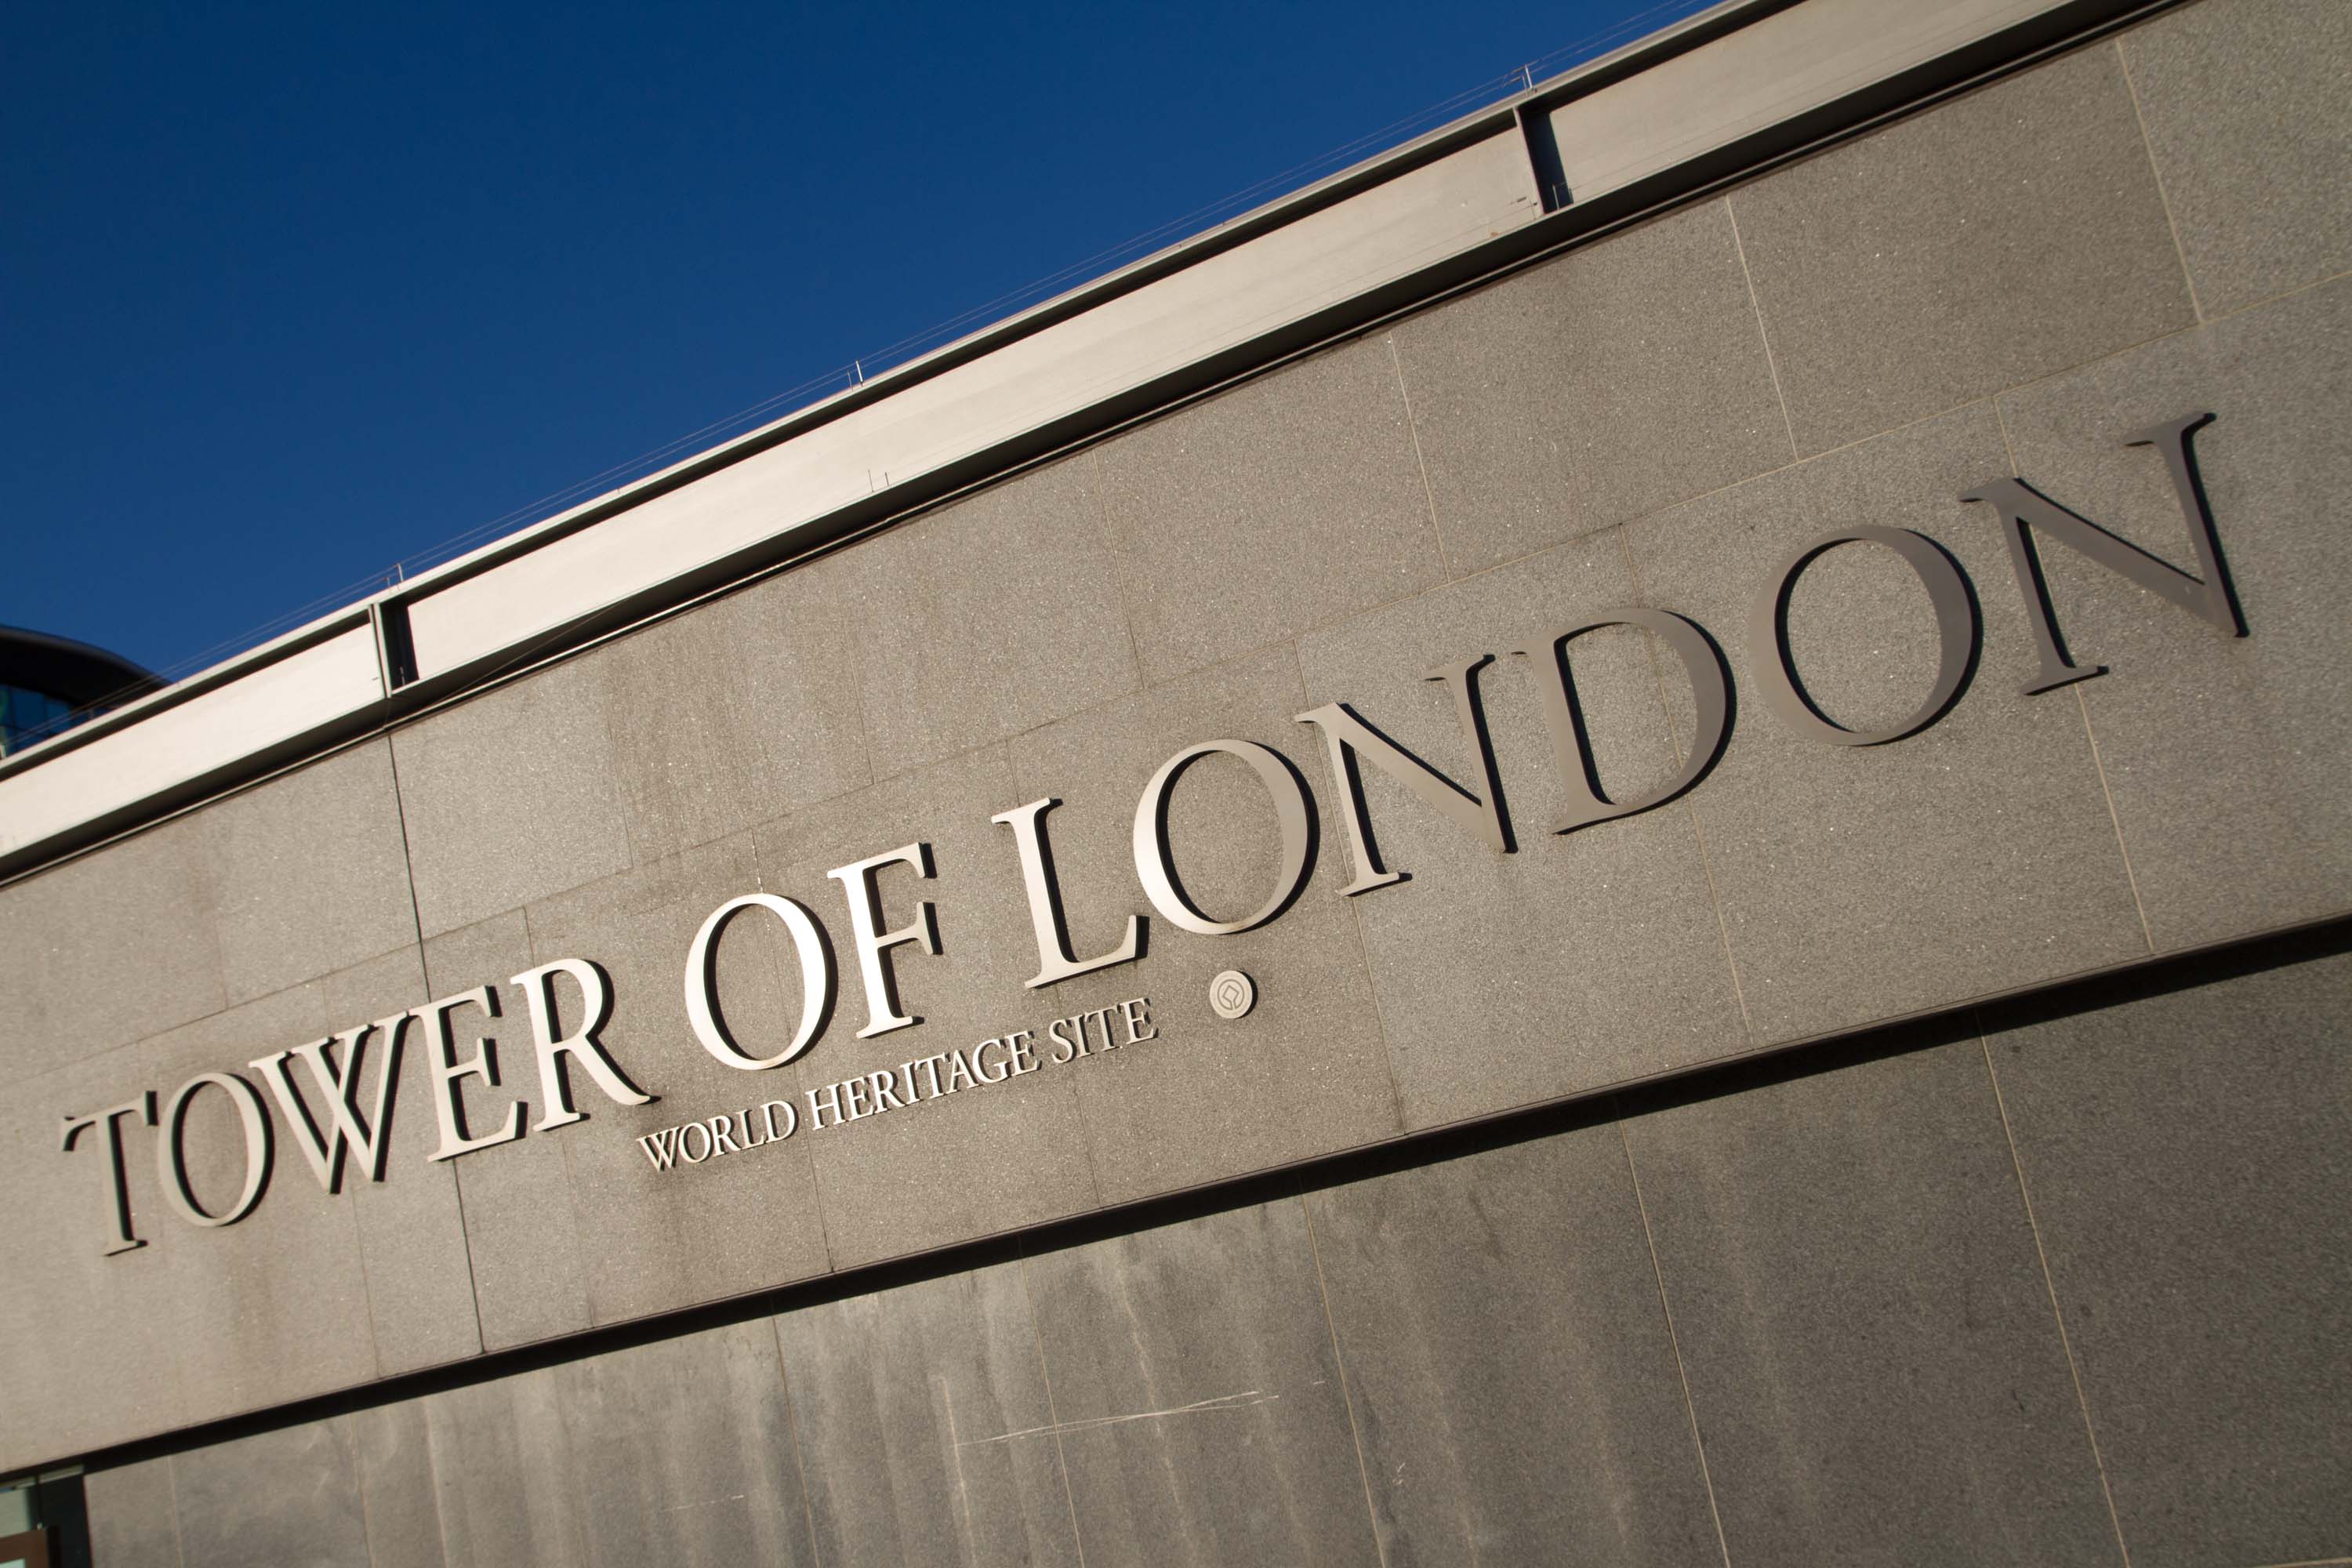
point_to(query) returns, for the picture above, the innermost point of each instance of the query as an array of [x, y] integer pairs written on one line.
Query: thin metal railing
[[1518, 79]]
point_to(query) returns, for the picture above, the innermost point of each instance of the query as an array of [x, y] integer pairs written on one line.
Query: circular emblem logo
[[1233, 993]]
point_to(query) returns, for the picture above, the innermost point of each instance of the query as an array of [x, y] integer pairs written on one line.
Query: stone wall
[[2004, 284], [2028, 1285]]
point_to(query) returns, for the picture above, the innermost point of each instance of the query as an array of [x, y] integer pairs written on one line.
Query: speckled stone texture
[[1861, 1316], [2008, 234], [393, 1452], [279, 1300], [286, 1496], [1513, 1379], [655, 1240], [1862, 882], [685, 1451], [1580, 961], [925, 1424], [1196, 1381], [2225, 757], [82, 1342], [1304, 1073], [2246, 110], [735, 712], [412, 1242], [2188, 1152], [1793, 1311], [285, 912], [1287, 502], [1592, 389], [108, 948], [522, 1230], [955, 1166], [510, 796], [1659, 417], [506, 1477], [987, 617], [133, 1520]]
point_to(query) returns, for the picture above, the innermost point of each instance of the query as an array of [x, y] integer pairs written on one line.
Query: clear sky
[[289, 293]]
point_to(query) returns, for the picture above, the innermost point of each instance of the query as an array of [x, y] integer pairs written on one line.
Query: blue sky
[[296, 292]]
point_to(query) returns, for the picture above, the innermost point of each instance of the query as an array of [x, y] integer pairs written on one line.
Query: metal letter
[[1956, 624], [702, 980], [119, 1191], [866, 921], [1294, 817], [1346, 735], [1573, 749], [979, 1063], [2020, 507], [447, 1070], [172, 1154], [338, 1085], [582, 1044], [1053, 960]]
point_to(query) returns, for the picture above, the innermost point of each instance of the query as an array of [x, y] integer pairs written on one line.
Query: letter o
[[172, 1154], [702, 980], [1293, 815], [1956, 626]]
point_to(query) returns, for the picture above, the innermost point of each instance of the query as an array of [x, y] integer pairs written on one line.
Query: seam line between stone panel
[[2098, 765], [2225, 316], [425, 969], [346, 1429], [837, 559], [579, 1484], [1794, 463], [2163, 196], [1347, 1397], [367, 1293], [172, 1488], [2148, 934], [433, 1471], [1756, 304], [793, 1426], [1069, 1090], [971, 1551], [432, 1476], [1674, 1337], [1363, 945], [1053, 1412], [1690, 804], [1151, 1397], [2057, 1313], [808, 1161], [571, 1181], [1420, 463]]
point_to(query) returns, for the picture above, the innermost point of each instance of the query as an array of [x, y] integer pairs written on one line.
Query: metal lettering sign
[[320, 1106]]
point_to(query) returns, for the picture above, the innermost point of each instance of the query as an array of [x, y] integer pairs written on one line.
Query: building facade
[[48, 684], [1622, 840]]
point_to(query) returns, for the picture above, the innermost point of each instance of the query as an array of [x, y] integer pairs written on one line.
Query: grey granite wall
[[2045, 1283], [2003, 285]]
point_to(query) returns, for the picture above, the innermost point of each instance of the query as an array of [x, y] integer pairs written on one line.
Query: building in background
[[1622, 840], [48, 684]]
